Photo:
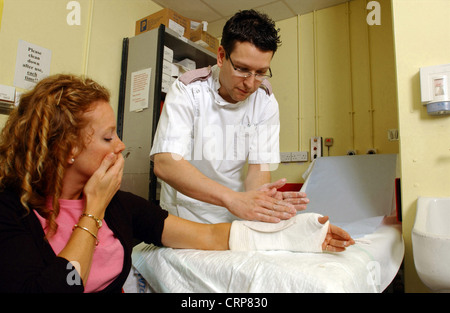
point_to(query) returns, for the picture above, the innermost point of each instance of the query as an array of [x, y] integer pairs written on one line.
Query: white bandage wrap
[[302, 233]]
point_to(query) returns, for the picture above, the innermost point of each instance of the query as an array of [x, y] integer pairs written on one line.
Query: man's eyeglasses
[[246, 74]]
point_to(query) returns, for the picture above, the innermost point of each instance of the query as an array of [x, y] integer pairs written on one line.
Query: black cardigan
[[28, 263]]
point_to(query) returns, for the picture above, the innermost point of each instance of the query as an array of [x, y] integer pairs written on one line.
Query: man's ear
[[220, 56]]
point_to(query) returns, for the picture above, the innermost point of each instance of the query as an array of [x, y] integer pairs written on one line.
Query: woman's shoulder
[[10, 203], [9, 196]]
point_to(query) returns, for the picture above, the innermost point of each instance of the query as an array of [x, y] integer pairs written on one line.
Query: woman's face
[[99, 137]]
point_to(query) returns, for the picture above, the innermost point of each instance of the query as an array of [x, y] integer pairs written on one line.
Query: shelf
[[184, 48], [6, 107]]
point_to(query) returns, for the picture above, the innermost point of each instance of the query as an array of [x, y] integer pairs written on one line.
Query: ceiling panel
[[229, 7], [277, 10], [305, 6], [217, 12]]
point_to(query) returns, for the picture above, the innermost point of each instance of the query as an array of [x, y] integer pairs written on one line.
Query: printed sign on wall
[[32, 64], [140, 86]]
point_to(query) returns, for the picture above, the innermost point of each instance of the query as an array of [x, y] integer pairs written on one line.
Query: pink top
[[107, 261]]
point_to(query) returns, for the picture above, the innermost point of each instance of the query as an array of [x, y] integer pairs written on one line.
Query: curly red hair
[[39, 136]]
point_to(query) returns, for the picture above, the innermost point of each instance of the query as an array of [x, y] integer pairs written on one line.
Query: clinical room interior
[[347, 73]]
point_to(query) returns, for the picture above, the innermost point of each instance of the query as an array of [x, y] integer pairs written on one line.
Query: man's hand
[[258, 205], [297, 199]]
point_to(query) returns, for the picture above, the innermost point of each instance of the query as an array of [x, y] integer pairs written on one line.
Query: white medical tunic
[[215, 136]]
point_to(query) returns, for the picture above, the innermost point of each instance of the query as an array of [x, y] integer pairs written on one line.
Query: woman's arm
[[98, 191], [181, 233]]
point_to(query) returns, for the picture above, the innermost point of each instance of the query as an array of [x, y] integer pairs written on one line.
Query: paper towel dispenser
[[434, 88]]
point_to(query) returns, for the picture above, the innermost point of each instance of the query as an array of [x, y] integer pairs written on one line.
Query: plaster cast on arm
[[302, 233]]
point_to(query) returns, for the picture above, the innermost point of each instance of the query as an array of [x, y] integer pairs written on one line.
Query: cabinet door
[[138, 125]]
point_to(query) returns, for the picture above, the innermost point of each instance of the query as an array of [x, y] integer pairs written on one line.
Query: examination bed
[[357, 192]]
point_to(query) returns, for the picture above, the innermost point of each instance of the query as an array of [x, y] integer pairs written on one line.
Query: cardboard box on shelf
[[204, 39], [169, 18]]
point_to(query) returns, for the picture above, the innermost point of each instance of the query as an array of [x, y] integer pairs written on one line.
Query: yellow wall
[[285, 83], [422, 38], [93, 48], [334, 76]]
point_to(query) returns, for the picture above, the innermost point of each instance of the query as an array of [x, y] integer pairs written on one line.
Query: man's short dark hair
[[251, 26]]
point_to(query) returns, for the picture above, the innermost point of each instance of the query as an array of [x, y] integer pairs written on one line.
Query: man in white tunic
[[213, 122]]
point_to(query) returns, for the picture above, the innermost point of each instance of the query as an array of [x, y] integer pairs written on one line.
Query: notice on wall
[[32, 64], [140, 86]]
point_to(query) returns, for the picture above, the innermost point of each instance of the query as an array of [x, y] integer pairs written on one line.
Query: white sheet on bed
[[355, 191], [368, 266]]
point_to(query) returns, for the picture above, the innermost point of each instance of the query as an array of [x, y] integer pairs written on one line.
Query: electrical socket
[[297, 156], [285, 157]]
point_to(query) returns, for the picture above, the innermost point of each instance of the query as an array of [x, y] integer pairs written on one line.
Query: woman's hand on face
[[104, 184]]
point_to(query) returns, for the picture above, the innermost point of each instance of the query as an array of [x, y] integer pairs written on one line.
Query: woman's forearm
[[181, 233], [79, 250]]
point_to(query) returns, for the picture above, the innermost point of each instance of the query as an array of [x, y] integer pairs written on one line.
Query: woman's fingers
[[337, 239]]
